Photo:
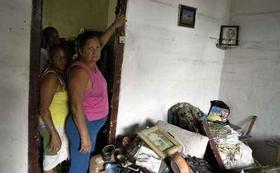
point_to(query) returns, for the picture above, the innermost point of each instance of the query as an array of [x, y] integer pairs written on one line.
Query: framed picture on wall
[[186, 16], [229, 35], [160, 141]]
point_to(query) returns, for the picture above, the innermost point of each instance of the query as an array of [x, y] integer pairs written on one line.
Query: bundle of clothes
[[233, 152]]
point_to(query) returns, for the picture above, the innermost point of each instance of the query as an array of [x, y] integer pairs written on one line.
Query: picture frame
[[186, 16], [229, 35], [160, 141]]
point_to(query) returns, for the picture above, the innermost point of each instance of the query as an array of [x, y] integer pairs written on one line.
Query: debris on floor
[[190, 142]]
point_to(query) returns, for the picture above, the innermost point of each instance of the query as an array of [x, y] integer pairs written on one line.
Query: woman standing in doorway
[[54, 110], [88, 98]]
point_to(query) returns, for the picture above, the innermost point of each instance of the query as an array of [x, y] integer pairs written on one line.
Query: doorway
[[115, 77]]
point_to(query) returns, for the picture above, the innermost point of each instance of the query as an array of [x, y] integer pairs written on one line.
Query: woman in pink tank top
[[88, 98]]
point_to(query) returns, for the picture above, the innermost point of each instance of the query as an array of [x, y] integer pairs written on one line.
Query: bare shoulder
[[49, 83], [77, 72], [77, 77], [50, 78]]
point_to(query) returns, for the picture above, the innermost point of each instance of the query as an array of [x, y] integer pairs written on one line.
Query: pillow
[[193, 144]]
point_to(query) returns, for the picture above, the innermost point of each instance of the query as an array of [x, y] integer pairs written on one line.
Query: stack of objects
[[230, 152]]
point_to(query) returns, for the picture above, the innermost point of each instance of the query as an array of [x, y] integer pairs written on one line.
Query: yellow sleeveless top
[[59, 105]]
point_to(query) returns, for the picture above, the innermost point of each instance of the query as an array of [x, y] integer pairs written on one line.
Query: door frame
[[118, 61], [35, 46]]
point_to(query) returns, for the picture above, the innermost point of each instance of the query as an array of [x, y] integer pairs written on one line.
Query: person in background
[[54, 110], [88, 97], [50, 37]]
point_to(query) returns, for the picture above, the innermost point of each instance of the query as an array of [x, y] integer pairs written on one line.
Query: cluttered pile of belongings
[[188, 143], [224, 140]]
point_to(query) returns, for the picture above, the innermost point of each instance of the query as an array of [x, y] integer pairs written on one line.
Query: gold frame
[[163, 143]]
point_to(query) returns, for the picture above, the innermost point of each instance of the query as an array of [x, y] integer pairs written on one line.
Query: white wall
[[164, 63], [250, 81], [15, 17]]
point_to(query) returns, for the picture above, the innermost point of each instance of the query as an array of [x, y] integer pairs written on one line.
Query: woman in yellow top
[[53, 110]]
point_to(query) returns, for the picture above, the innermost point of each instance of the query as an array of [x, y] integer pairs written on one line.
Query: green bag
[[46, 141]]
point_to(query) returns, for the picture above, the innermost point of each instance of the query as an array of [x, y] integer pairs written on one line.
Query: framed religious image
[[229, 35], [160, 141], [186, 16]]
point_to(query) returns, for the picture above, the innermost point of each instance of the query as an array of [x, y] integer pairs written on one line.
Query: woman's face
[[91, 51], [60, 59]]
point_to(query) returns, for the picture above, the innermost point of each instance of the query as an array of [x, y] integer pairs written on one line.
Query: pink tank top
[[95, 102]]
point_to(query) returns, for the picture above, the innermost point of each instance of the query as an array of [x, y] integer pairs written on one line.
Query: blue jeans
[[80, 161]]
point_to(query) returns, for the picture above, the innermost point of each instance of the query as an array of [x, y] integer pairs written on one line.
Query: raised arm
[[119, 21], [49, 86], [77, 84]]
